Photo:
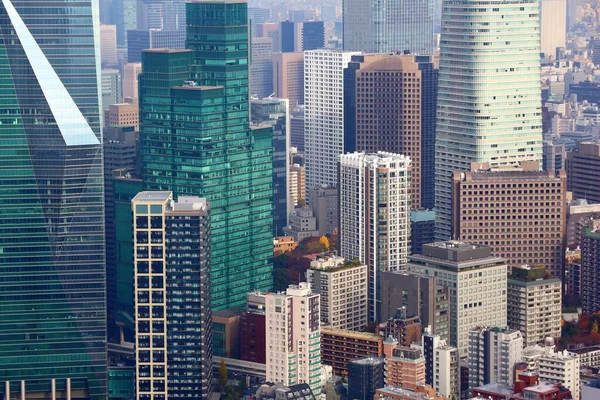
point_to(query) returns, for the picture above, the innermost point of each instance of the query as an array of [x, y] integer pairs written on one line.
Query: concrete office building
[[441, 365], [130, 80], [519, 213], [123, 114], [272, 30], [493, 354], [293, 340], [108, 45], [422, 229], [422, 296], [583, 172], [325, 204], [590, 270], [390, 105], [261, 67], [171, 268], [375, 215], [534, 303], [313, 35], [340, 346], [508, 126], [554, 157], [140, 40], [301, 224], [553, 26], [343, 287], [579, 212], [388, 27], [476, 281], [288, 78], [297, 129], [324, 114]]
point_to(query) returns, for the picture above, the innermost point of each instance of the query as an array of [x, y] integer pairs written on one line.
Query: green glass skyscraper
[[196, 140], [52, 262]]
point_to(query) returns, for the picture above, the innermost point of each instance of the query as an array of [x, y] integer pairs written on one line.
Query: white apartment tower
[[489, 99], [342, 285], [441, 365], [476, 282], [375, 214], [493, 354], [293, 338], [324, 114]]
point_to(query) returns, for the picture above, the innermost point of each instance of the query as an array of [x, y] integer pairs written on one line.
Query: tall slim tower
[[196, 140], [52, 262], [489, 99], [378, 26]]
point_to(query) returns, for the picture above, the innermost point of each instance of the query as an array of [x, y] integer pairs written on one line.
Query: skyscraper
[[553, 16], [388, 26], [288, 79], [375, 215], [324, 114], [52, 264], [172, 301], [489, 99], [261, 67], [216, 154]]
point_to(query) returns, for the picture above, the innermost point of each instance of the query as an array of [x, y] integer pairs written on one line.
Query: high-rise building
[[131, 71], [590, 270], [493, 354], [253, 329], [387, 27], [441, 365], [375, 215], [528, 203], [417, 295], [323, 114], [291, 36], [553, 26], [583, 172], [275, 113], [297, 188], [422, 229], [261, 67], [554, 156], [108, 45], [468, 267], [164, 14], [365, 376], [272, 30], [124, 114], [52, 264], [397, 115], [288, 81], [256, 17], [534, 304], [140, 40], [119, 145], [479, 120], [172, 301], [325, 204], [293, 340], [313, 35], [125, 17], [111, 86], [236, 179], [342, 285]]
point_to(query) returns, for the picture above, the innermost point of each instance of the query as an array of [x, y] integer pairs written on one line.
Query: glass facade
[[489, 99], [384, 26], [196, 140], [275, 113], [52, 262]]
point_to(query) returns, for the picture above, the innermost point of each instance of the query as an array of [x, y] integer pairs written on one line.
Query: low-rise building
[[283, 244], [340, 346], [561, 367], [301, 224], [404, 366], [421, 392]]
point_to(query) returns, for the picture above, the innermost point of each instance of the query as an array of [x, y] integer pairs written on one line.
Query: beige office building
[[124, 114], [130, 80], [519, 213], [288, 77]]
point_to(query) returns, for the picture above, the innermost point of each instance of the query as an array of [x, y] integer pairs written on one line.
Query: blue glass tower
[[52, 262]]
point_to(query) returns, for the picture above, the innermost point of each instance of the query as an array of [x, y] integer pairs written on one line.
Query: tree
[[222, 375], [333, 239], [324, 241], [595, 327], [230, 393]]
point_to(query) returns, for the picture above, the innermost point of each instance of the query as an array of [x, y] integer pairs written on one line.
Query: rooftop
[[350, 334], [152, 196], [497, 388], [368, 361], [167, 51]]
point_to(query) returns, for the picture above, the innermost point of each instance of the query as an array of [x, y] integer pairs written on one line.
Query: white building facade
[[561, 367], [375, 214], [323, 114], [293, 338]]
